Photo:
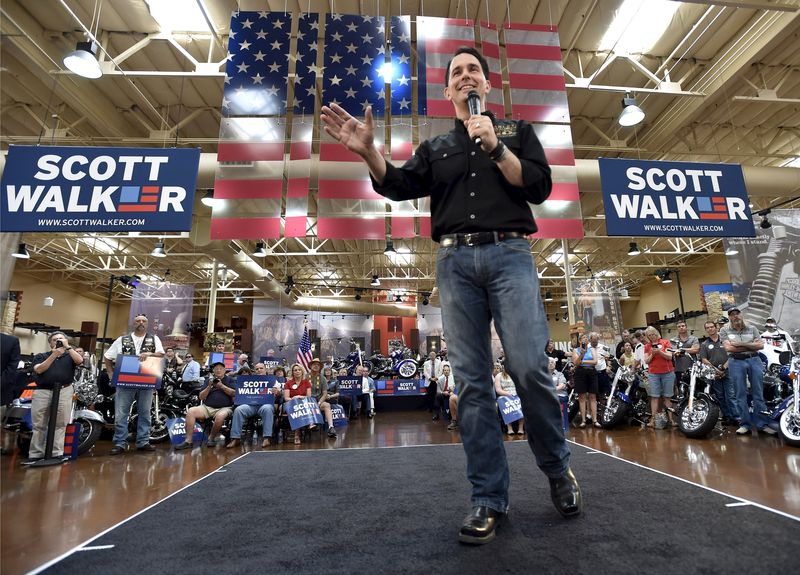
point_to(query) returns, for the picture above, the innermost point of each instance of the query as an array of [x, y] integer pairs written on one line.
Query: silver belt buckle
[[447, 242], [468, 238]]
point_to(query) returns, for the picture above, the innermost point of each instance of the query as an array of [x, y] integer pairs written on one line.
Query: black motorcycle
[[697, 410]]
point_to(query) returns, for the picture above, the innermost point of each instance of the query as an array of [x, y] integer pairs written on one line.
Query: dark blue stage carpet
[[398, 510]]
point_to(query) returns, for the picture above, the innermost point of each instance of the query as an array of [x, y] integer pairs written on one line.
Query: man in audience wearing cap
[[265, 411], [217, 400], [743, 342]]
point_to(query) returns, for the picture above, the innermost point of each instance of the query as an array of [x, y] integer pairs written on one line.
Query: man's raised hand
[[355, 135]]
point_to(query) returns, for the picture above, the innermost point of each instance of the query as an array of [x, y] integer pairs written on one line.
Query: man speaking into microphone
[[480, 177]]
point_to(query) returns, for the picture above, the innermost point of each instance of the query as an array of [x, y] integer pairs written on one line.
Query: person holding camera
[[55, 368], [661, 380], [584, 358], [217, 400]]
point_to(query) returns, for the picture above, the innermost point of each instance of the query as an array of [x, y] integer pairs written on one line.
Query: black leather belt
[[742, 355], [478, 238]]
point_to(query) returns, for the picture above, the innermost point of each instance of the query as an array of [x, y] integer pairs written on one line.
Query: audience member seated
[[504, 387], [334, 396], [559, 381], [296, 386], [319, 391], [191, 373], [444, 388], [243, 412], [453, 410], [217, 400], [367, 392]]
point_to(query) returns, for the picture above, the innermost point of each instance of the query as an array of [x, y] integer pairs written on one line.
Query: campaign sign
[[270, 363], [177, 431], [229, 359], [76, 189], [510, 408], [302, 411], [72, 439], [650, 198], [406, 387], [131, 373], [254, 389], [339, 415], [349, 385]]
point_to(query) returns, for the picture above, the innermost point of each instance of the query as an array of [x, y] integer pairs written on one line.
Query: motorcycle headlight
[[100, 398]]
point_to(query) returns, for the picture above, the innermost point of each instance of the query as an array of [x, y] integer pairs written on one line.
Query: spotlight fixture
[[48, 301], [631, 113], [389, 249], [731, 251], [425, 296], [359, 291], [22, 253], [375, 281], [566, 316], [289, 285], [238, 298], [130, 281], [83, 60], [664, 276], [633, 249], [209, 199], [765, 223], [548, 296], [398, 299], [564, 305], [260, 250], [623, 293], [158, 251]]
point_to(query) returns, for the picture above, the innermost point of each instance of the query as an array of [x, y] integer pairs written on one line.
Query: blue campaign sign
[[177, 431], [349, 385], [649, 198], [510, 408], [254, 389], [302, 411], [339, 415], [57, 189], [406, 387], [134, 374]]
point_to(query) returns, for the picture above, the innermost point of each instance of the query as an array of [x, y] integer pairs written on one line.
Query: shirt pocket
[[448, 164]]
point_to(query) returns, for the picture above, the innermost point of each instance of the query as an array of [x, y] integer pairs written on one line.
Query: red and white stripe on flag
[[406, 212], [490, 48], [347, 205], [299, 179], [249, 179], [437, 39], [535, 73]]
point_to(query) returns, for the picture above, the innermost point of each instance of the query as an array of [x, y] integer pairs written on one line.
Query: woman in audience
[[296, 386], [661, 379], [504, 387], [628, 359], [585, 375]]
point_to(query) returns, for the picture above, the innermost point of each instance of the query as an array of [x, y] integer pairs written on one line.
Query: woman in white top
[[504, 386]]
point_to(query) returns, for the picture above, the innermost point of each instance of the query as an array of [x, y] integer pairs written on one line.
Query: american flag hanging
[[304, 356]]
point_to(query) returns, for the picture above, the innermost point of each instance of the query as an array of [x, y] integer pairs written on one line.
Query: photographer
[[217, 400], [56, 368], [661, 380]]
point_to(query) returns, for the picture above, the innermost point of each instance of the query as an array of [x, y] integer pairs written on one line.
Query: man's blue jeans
[[123, 399], [498, 281], [739, 371], [726, 396], [243, 412]]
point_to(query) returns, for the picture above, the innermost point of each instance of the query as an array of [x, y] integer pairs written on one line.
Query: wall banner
[[648, 198], [56, 189]]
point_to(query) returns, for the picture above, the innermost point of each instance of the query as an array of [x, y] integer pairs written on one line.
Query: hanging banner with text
[[648, 198], [55, 189]]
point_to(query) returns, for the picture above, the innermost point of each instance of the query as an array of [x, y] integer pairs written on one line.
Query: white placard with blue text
[[58, 189], [649, 198]]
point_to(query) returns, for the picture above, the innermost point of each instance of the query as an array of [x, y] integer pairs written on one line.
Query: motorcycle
[[399, 363], [352, 361], [620, 405], [163, 407], [788, 412], [697, 410]]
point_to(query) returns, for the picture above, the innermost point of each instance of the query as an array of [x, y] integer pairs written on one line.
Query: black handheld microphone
[[474, 105]]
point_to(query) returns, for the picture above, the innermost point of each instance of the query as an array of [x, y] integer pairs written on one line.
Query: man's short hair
[[467, 50], [709, 322], [169, 348], [55, 333]]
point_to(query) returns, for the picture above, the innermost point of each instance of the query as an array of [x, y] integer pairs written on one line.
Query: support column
[[212, 299], [568, 280]]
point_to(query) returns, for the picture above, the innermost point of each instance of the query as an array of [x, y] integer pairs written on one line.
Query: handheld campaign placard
[[131, 373], [254, 389], [339, 415], [177, 431], [229, 359], [349, 385], [510, 408], [302, 411]]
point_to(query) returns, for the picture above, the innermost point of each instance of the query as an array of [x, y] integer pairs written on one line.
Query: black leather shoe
[[479, 526], [117, 450], [146, 447], [566, 494]]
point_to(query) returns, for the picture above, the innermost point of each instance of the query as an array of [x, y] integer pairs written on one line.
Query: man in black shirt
[[217, 397], [55, 368], [481, 217], [552, 351]]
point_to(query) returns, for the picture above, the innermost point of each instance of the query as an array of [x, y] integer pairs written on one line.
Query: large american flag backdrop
[[272, 171]]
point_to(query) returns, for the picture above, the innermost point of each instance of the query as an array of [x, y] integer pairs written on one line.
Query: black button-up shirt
[[468, 191]]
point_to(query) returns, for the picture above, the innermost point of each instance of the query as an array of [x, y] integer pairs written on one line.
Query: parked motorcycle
[[352, 361], [399, 362], [697, 410], [621, 406], [788, 412]]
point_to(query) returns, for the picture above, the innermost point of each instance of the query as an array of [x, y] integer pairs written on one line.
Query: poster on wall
[[717, 299], [168, 308], [597, 306], [765, 272]]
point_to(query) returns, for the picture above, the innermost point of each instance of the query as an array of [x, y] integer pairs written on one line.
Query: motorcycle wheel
[[90, 433], [698, 422], [158, 428], [407, 368], [613, 413], [790, 425]]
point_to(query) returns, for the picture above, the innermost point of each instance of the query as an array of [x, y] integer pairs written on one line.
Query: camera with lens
[[59, 343]]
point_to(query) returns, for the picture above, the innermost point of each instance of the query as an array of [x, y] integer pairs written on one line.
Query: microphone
[[474, 105]]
